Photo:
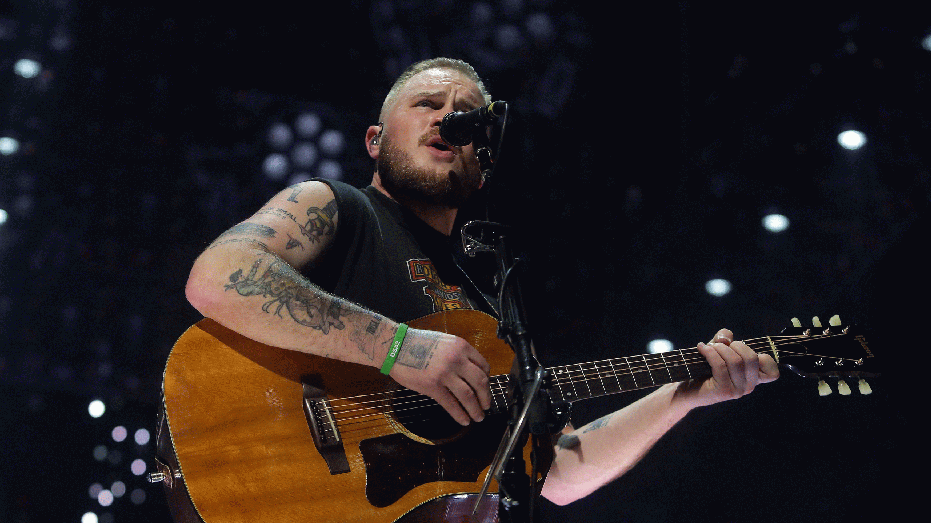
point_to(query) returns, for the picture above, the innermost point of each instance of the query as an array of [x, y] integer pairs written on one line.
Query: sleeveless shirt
[[386, 259]]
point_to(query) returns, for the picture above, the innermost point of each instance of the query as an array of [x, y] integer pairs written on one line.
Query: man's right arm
[[248, 280]]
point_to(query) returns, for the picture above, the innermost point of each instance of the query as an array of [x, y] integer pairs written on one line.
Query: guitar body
[[244, 447]]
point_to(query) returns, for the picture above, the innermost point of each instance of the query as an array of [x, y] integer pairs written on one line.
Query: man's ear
[[373, 140]]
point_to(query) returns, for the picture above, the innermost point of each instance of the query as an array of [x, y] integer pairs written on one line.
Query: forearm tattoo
[[286, 290], [319, 222], [598, 423]]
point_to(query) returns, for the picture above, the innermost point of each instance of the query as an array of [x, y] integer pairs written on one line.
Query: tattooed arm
[[596, 454], [248, 279]]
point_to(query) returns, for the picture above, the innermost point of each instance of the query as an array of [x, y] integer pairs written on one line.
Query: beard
[[406, 181]]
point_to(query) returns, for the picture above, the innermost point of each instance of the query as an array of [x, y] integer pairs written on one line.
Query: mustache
[[434, 132]]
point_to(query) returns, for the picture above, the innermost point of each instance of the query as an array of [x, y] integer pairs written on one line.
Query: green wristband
[[395, 347]]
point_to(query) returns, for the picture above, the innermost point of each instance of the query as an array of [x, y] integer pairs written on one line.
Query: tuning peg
[[834, 321], [823, 388], [796, 323], [864, 387], [816, 322], [842, 388]]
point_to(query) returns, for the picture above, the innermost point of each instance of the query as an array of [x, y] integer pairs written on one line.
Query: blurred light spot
[[540, 27], [4, 216], [114, 457], [851, 140], [332, 143], [118, 489], [137, 496], [304, 155], [718, 287], [926, 43], [298, 177], [142, 436], [138, 467], [94, 490], [775, 222], [27, 68], [89, 517], [105, 498], [100, 452], [275, 166], [8, 145], [280, 136], [96, 408], [660, 345], [507, 37], [330, 170], [308, 125]]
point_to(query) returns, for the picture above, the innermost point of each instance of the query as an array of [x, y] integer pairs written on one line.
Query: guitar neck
[[580, 381]]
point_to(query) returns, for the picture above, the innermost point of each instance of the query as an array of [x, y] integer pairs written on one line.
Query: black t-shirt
[[384, 258]]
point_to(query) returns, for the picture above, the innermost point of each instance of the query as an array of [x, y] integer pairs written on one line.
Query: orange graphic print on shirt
[[445, 297]]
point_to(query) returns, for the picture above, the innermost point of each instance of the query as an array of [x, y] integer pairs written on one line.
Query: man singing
[[327, 269]]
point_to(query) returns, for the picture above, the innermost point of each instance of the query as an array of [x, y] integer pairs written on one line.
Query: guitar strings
[[419, 402], [562, 379]]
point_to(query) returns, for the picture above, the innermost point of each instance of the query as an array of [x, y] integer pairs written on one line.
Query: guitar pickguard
[[396, 464]]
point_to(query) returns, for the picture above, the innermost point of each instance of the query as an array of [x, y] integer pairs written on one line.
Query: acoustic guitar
[[266, 434]]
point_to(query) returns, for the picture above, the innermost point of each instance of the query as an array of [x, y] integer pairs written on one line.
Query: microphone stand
[[530, 406]]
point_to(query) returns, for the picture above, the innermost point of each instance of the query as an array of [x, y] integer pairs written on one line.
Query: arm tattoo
[[598, 423], [292, 243], [365, 340], [286, 290], [320, 222], [294, 192], [252, 229], [417, 352], [252, 241], [568, 441], [281, 213]]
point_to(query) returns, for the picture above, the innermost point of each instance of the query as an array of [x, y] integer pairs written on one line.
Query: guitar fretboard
[[599, 378]]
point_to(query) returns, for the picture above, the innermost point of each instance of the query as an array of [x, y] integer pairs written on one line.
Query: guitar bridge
[[323, 429]]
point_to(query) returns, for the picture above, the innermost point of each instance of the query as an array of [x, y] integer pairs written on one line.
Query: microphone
[[458, 128]]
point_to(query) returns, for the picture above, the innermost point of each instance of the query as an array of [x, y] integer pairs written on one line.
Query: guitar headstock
[[834, 351]]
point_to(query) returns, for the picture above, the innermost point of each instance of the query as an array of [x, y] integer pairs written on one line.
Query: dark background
[[648, 143]]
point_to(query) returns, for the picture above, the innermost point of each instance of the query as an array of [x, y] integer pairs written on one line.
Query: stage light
[[96, 408], [8, 145], [89, 517], [303, 155], [308, 125], [659, 345], [332, 143], [851, 140], [137, 496], [27, 68], [275, 166], [100, 452], [718, 287], [926, 43], [142, 436], [4, 216], [118, 489], [330, 170], [280, 136], [138, 467], [94, 490], [105, 498], [775, 222], [119, 433]]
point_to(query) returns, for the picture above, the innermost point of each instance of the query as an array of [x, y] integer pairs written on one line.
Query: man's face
[[413, 162]]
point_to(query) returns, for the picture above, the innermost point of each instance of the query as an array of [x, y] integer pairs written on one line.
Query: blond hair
[[433, 63]]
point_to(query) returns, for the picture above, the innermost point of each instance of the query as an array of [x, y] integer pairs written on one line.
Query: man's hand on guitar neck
[[446, 368], [736, 370]]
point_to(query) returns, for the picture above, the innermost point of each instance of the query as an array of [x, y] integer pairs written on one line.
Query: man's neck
[[439, 217]]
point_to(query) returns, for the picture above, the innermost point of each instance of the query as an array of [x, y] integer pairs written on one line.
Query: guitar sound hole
[[424, 417]]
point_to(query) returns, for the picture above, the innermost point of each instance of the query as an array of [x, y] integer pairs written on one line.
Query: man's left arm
[[591, 456]]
